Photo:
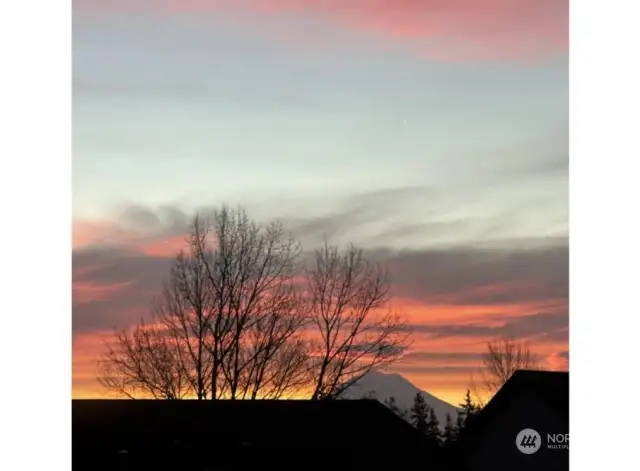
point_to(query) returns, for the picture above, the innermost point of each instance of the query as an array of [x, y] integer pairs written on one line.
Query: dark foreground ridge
[[227, 435], [525, 427]]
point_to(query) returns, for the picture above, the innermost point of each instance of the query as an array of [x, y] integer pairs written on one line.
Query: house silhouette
[[524, 427], [226, 435]]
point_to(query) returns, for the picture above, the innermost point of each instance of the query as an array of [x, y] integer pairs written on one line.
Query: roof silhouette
[[548, 388], [240, 434]]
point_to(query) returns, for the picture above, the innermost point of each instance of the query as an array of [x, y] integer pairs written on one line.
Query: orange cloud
[[457, 313], [86, 351], [440, 365], [558, 360], [451, 332]]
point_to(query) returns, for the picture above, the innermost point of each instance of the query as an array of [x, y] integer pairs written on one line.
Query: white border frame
[[35, 348], [35, 234], [604, 238]]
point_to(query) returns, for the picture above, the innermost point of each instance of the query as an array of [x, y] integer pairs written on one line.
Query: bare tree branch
[[184, 308], [144, 361], [502, 358], [252, 270], [357, 332]]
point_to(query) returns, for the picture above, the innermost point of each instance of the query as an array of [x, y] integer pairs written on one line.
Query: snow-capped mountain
[[382, 386]]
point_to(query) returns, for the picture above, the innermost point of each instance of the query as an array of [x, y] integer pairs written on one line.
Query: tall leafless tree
[[251, 269], [184, 309], [355, 330], [501, 359], [231, 312]]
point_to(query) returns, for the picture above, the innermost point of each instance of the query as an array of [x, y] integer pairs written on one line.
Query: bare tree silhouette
[[145, 361], [358, 333], [502, 358], [252, 271], [230, 314], [239, 317], [184, 309]]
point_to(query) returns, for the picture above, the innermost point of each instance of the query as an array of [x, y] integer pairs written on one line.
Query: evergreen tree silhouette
[[433, 427], [469, 410], [459, 425], [419, 413], [449, 431]]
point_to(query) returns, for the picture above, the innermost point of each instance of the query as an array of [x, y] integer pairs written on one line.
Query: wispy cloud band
[[449, 30]]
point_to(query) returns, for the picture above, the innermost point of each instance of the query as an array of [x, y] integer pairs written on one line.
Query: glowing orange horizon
[[446, 378]]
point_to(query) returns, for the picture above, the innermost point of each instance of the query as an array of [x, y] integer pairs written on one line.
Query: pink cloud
[[446, 30], [452, 29], [165, 247], [109, 234], [87, 292], [86, 233]]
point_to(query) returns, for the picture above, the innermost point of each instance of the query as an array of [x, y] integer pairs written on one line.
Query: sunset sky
[[434, 133]]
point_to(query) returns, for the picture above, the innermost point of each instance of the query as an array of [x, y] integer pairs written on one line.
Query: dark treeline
[[424, 419], [501, 359]]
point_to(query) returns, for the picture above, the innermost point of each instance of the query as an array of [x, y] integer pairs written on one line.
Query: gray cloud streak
[[508, 271]]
